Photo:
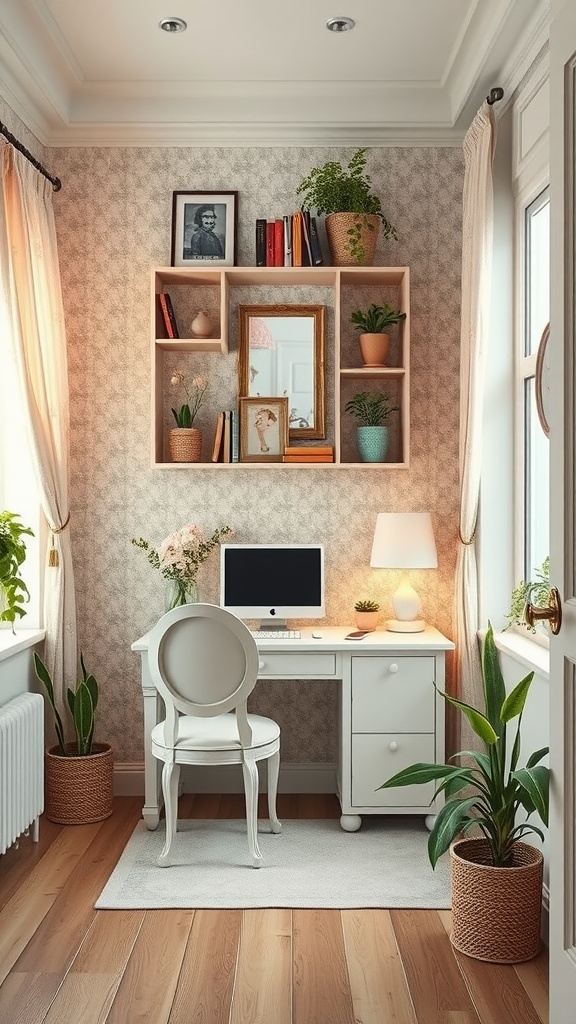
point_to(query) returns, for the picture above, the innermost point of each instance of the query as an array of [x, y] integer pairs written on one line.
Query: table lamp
[[404, 540]]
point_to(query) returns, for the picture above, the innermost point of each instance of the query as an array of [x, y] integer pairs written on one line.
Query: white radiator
[[21, 767]]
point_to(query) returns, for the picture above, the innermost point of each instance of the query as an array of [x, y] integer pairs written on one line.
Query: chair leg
[[250, 772], [273, 772], [170, 779]]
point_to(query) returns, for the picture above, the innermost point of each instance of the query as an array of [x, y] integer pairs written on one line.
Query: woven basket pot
[[79, 790], [496, 912], [337, 228], [185, 444]]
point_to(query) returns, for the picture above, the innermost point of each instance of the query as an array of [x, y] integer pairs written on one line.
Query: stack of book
[[288, 241], [227, 437], [309, 453], [168, 316]]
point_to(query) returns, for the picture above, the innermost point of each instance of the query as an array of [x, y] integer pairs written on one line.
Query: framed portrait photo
[[204, 229], [263, 429]]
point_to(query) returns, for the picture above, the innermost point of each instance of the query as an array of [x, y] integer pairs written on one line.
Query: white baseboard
[[294, 778]]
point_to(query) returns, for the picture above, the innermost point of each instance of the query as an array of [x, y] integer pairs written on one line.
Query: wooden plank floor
[[63, 962]]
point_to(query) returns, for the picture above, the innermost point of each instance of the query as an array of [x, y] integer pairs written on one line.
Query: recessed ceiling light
[[340, 24], [173, 25]]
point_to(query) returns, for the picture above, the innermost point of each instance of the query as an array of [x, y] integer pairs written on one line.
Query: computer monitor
[[272, 582]]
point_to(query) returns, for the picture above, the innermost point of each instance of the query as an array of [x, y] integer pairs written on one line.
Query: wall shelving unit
[[218, 291]]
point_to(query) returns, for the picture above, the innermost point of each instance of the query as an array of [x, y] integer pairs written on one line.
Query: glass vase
[[180, 592]]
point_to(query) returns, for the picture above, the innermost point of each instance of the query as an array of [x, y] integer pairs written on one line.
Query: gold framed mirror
[[282, 353]]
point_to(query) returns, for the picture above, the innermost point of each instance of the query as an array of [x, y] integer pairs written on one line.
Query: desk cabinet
[[391, 717]]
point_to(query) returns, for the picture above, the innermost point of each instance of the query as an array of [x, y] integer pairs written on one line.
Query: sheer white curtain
[[477, 233], [30, 282]]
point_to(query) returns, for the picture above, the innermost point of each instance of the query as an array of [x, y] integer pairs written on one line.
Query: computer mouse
[[317, 636]]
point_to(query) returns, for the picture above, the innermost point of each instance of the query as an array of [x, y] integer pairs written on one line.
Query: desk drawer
[[297, 665], [377, 758], [393, 694]]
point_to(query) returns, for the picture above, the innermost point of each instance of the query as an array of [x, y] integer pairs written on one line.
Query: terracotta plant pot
[[337, 228], [367, 620], [79, 790], [374, 348], [185, 444], [496, 911]]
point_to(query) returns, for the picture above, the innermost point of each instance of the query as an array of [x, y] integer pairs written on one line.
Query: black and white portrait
[[204, 229]]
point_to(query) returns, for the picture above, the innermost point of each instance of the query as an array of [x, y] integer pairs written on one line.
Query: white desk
[[388, 710]]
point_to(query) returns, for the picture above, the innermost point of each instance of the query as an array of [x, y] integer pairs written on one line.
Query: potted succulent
[[372, 324], [367, 614], [353, 212], [79, 775], [496, 877], [372, 409], [13, 590]]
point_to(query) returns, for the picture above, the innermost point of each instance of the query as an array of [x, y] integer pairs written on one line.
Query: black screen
[[272, 577]]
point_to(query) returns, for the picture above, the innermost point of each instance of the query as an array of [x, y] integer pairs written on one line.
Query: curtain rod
[[56, 183], [495, 94]]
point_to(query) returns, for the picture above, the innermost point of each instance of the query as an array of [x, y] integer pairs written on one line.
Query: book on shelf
[[226, 439], [311, 460], [270, 228], [261, 242], [234, 435], [278, 242], [297, 239], [287, 241], [218, 438], [312, 449], [306, 250], [168, 315], [317, 257]]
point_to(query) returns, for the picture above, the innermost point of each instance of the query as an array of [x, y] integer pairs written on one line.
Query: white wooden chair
[[204, 662]]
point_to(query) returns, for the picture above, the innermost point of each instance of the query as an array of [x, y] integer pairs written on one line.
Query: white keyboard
[[276, 634]]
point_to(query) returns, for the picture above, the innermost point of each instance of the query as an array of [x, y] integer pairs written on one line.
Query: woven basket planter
[[496, 911], [337, 228], [79, 790], [185, 444]]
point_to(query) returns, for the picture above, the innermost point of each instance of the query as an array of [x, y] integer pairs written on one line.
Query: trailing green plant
[[501, 790], [82, 703], [332, 188], [367, 606], [371, 407], [13, 589], [537, 591], [376, 318]]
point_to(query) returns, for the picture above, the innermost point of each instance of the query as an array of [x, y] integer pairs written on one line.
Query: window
[[533, 446]]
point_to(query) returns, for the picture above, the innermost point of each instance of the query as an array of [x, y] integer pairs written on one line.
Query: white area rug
[[311, 864]]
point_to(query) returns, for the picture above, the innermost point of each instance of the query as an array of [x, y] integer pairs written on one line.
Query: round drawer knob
[[393, 668], [393, 746]]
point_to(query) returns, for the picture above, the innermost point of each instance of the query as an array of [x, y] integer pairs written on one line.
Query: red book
[[168, 315], [278, 243], [270, 229]]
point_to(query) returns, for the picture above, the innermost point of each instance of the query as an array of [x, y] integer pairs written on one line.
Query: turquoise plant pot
[[372, 443]]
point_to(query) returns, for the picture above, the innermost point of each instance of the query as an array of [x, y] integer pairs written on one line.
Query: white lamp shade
[[404, 540]]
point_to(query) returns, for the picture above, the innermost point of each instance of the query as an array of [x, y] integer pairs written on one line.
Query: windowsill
[[528, 652], [11, 643]]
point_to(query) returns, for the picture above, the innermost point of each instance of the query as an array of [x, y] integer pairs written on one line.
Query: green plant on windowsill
[[376, 318], [371, 407], [537, 591], [13, 590]]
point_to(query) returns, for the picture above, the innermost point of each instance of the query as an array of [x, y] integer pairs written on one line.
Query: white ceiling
[[102, 72]]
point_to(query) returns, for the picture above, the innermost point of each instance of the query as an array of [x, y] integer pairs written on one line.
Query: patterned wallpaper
[[113, 219]]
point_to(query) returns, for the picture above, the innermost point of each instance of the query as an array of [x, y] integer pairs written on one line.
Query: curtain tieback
[[53, 559], [467, 543]]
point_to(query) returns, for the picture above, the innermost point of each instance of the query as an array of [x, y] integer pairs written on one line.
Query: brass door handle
[[552, 612]]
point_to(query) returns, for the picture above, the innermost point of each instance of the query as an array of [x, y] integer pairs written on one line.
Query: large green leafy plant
[[333, 188], [376, 318], [82, 703], [495, 789], [13, 590]]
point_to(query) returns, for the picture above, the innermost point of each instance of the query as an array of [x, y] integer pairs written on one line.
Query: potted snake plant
[[496, 876], [79, 774]]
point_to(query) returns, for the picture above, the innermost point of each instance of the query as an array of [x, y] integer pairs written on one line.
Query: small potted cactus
[[367, 614]]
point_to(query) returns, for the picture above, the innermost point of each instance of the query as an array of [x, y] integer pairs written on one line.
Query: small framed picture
[[263, 429], [204, 229]]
